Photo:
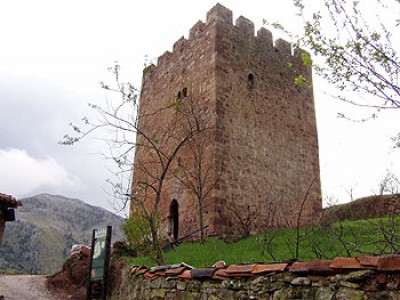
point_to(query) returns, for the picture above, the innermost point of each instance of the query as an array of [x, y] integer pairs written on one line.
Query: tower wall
[[267, 144], [191, 66], [265, 147]]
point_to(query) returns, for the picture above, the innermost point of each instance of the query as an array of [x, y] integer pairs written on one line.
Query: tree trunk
[[155, 245], [201, 222]]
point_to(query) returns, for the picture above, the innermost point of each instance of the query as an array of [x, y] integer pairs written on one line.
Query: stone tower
[[263, 150]]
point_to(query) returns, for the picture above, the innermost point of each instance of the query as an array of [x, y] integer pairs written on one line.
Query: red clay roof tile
[[299, 267], [142, 271], [320, 266], [346, 263], [264, 268], [133, 270], [160, 273], [221, 273], [150, 275], [186, 274], [239, 269], [368, 260], [389, 263], [138, 270], [175, 271]]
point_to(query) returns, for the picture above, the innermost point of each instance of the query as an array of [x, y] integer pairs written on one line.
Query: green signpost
[[99, 261]]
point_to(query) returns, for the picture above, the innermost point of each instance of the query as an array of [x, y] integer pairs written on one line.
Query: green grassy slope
[[347, 238]]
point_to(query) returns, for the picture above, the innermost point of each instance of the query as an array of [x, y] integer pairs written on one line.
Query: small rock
[[324, 293], [301, 281], [180, 286], [244, 296], [260, 280], [219, 264], [350, 285], [357, 276], [282, 277]]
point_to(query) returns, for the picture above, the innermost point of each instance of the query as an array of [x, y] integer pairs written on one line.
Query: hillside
[[46, 228], [365, 208]]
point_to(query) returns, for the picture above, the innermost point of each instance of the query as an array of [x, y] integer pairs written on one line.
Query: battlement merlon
[[219, 12], [283, 46], [179, 45], [197, 29], [264, 36], [164, 58], [246, 26]]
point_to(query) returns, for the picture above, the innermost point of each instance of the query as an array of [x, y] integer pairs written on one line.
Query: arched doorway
[[174, 219]]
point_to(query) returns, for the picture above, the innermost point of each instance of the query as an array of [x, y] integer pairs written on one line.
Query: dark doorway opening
[[250, 80], [174, 219]]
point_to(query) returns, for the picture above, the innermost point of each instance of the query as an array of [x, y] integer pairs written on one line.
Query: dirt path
[[21, 287]]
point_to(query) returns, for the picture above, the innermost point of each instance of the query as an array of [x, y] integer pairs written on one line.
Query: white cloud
[[23, 175]]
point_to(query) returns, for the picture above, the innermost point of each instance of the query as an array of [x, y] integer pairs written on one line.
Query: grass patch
[[10, 272], [347, 239]]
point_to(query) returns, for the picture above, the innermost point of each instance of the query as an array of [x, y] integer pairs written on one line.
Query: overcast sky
[[54, 53]]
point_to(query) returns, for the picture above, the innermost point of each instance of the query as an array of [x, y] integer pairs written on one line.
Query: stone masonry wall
[[341, 279], [190, 66], [267, 144], [264, 149]]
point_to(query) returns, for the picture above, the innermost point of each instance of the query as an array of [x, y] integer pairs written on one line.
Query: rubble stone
[[301, 281]]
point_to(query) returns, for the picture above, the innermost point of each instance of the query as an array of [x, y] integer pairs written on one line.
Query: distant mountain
[[46, 228]]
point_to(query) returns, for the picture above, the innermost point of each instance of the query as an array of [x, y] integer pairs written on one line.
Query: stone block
[[346, 294], [301, 281]]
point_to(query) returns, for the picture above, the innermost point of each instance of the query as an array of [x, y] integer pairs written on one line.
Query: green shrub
[[137, 232]]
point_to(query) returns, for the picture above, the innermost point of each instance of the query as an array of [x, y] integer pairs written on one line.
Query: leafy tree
[[355, 49], [157, 146]]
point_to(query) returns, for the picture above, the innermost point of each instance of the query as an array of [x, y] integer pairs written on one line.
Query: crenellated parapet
[[219, 24]]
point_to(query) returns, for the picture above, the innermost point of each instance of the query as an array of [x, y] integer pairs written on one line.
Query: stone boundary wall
[[364, 208], [364, 277]]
